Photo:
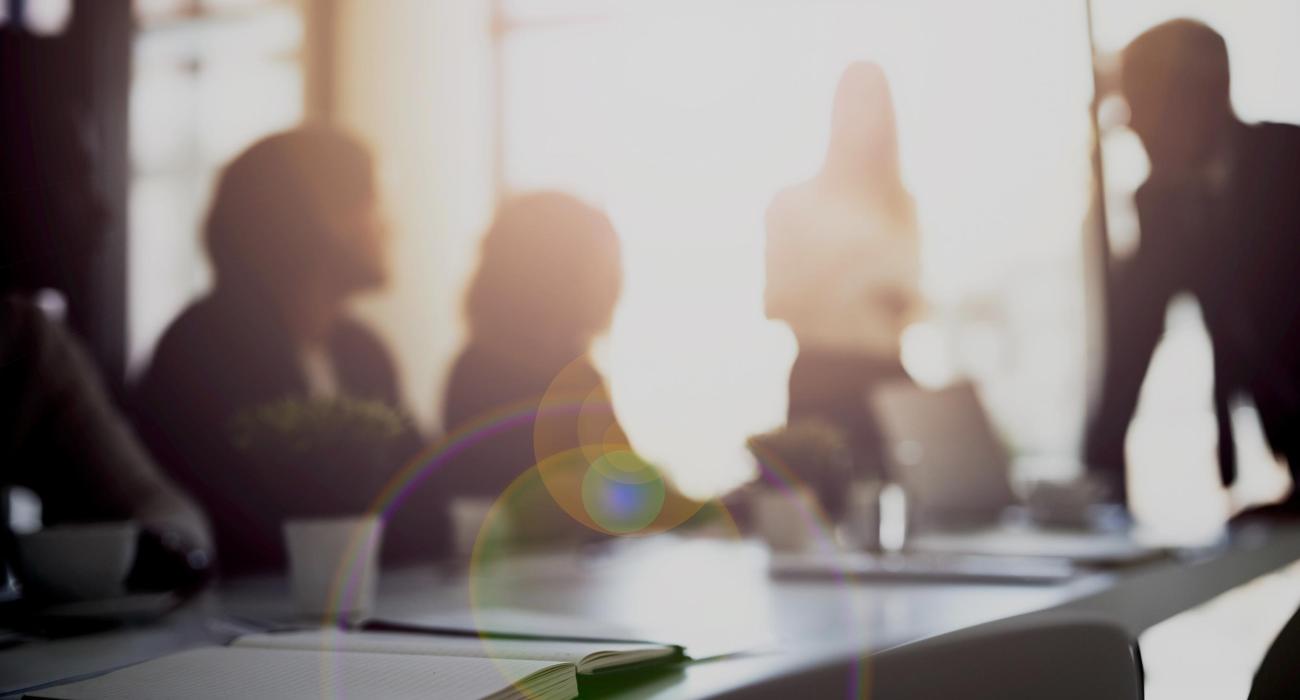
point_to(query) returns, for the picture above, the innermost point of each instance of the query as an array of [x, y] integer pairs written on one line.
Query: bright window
[[209, 78], [685, 118]]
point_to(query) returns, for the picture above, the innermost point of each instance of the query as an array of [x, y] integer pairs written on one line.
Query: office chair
[[1034, 656], [1040, 655]]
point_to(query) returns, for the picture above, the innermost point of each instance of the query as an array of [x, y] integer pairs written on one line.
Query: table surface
[[708, 594]]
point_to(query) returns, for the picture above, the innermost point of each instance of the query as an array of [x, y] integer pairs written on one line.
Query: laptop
[[943, 450]]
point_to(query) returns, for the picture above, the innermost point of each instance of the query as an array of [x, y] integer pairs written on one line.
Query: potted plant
[[318, 466], [321, 456]]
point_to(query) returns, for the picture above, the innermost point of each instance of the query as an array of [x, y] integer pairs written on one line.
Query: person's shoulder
[[788, 213], [477, 366], [198, 330], [1273, 149], [1277, 130], [1154, 193], [197, 323], [1275, 141], [469, 357], [793, 199], [478, 382], [355, 335]]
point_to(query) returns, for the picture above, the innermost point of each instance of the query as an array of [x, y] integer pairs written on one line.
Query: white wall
[[414, 80]]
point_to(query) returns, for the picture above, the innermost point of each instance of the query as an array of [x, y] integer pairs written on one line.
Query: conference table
[[714, 595]]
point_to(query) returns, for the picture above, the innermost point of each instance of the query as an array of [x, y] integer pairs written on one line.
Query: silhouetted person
[[62, 438], [61, 435], [548, 279], [1220, 219], [294, 233], [843, 267]]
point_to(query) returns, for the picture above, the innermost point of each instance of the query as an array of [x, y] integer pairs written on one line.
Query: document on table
[[312, 664]]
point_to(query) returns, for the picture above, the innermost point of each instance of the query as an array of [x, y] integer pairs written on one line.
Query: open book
[[367, 664]]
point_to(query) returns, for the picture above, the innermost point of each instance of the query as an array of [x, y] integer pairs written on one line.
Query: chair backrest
[[1041, 655], [1034, 656]]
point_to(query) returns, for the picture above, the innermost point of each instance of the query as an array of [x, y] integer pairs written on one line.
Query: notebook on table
[[312, 664]]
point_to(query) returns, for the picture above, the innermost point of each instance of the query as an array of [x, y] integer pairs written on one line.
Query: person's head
[[297, 214], [864, 137], [1175, 80], [549, 276]]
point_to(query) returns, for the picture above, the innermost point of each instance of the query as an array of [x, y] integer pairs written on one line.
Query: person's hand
[[1067, 503], [167, 560]]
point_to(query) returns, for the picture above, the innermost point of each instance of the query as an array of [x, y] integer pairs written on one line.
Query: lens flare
[[589, 467], [589, 482], [621, 495]]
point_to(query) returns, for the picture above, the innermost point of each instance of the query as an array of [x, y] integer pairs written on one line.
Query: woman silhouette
[[843, 267]]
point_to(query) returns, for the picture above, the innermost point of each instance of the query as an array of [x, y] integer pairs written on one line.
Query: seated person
[[293, 234], [61, 437], [843, 268], [524, 387]]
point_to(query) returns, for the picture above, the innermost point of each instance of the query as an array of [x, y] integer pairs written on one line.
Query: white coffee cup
[[334, 565], [79, 562], [786, 518], [861, 526]]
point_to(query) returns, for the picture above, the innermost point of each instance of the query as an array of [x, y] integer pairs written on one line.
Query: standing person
[[1220, 219], [293, 234], [843, 267]]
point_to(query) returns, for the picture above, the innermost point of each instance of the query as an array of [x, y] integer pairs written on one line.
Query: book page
[[446, 645], [226, 672]]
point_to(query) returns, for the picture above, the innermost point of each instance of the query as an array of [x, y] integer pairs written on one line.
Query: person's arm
[[897, 273], [777, 302], [1139, 291], [72, 447]]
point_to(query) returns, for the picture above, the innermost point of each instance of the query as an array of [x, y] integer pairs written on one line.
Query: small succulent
[[319, 457], [313, 428]]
